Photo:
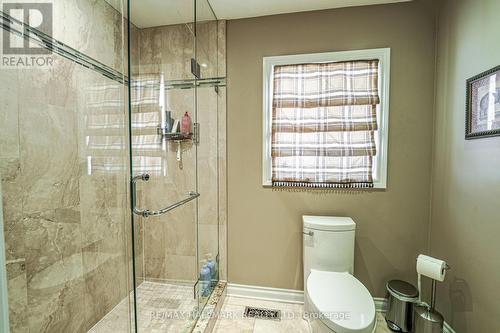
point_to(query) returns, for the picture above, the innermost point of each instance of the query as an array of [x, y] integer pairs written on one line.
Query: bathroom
[[163, 188]]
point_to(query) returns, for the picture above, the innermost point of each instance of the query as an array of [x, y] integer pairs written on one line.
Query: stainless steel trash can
[[402, 296]]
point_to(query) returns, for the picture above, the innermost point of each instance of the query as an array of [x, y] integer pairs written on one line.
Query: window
[[326, 119]]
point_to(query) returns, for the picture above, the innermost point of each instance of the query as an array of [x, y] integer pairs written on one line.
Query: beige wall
[[264, 226], [466, 177]]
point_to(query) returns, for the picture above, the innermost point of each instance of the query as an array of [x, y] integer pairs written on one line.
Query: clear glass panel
[[206, 39], [64, 168], [164, 147], [174, 75], [208, 168]]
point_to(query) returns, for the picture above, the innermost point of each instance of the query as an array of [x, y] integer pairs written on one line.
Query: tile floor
[[231, 319], [162, 308], [165, 308]]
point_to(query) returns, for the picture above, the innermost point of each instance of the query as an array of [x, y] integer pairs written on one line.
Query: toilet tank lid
[[328, 223]]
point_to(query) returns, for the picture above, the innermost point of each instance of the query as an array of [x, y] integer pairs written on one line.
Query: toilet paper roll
[[431, 267]]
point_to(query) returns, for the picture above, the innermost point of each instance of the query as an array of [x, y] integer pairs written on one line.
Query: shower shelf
[[179, 136]]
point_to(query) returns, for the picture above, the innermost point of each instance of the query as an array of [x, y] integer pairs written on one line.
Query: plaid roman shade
[[323, 123]]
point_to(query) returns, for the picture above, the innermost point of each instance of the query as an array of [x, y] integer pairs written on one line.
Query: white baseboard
[[265, 293], [293, 296], [380, 304]]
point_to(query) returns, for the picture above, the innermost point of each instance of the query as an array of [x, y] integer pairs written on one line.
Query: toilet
[[334, 300]]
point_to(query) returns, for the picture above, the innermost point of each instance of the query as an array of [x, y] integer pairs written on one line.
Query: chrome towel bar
[[146, 212]]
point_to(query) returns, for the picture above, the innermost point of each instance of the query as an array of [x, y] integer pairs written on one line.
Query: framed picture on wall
[[483, 105]]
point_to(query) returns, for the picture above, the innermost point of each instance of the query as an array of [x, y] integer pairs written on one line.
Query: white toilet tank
[[328, 244]]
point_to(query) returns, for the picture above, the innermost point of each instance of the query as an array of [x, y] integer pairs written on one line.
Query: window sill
[[378, 186]]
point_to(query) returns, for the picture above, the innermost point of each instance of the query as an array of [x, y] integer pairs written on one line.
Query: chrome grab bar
[[146, 212]]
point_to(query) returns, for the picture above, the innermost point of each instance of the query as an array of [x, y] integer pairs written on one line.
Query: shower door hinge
[[195, 68], [196, 133]]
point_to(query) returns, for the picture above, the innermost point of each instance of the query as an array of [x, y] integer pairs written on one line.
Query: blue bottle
[[205, 278], [212, 266]]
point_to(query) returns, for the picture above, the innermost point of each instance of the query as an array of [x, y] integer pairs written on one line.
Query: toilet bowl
[[335, 301]]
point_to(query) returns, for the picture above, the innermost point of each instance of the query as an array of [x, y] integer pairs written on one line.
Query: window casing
[[381, 135]]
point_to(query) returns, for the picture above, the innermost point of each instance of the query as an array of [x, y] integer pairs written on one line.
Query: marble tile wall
[[65, 180]]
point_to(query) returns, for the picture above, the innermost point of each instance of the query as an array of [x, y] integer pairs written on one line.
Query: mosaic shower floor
[[161, 308]]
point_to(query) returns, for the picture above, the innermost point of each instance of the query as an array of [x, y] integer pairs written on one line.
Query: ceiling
[[233, 9], [151, 13]]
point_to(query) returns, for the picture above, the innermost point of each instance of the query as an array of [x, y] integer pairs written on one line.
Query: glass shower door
[[174, 154], [164, 167], [209, 85], [64, 165]]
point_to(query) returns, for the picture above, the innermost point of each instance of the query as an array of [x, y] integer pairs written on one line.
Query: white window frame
[[382, 137]]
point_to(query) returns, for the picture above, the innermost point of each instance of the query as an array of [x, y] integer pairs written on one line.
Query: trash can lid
[[402, 289]]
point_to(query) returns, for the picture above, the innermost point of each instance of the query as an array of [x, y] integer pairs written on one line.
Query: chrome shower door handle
[[133, 184], [147, 212], [191, 196]]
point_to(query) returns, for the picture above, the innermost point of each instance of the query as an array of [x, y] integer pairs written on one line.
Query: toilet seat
[[341, 301]]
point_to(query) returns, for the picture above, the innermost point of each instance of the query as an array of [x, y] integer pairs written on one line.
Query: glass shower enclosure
[[111, 164], [174, 111]]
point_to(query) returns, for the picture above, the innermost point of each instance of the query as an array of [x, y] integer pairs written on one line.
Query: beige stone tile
[[207, 52], [17, 297], [208, 240], [381, 324], [282, 326], [103, 212], [234, 307], [53, 308], [179, 227], [9, 126], [92, 29], [221, 68], [158, 55], [49, 160], [228, 326], [231, 319], [105, 284], [12, 209], [171, 267], [50, 238], [291, 321], [161, 308]]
